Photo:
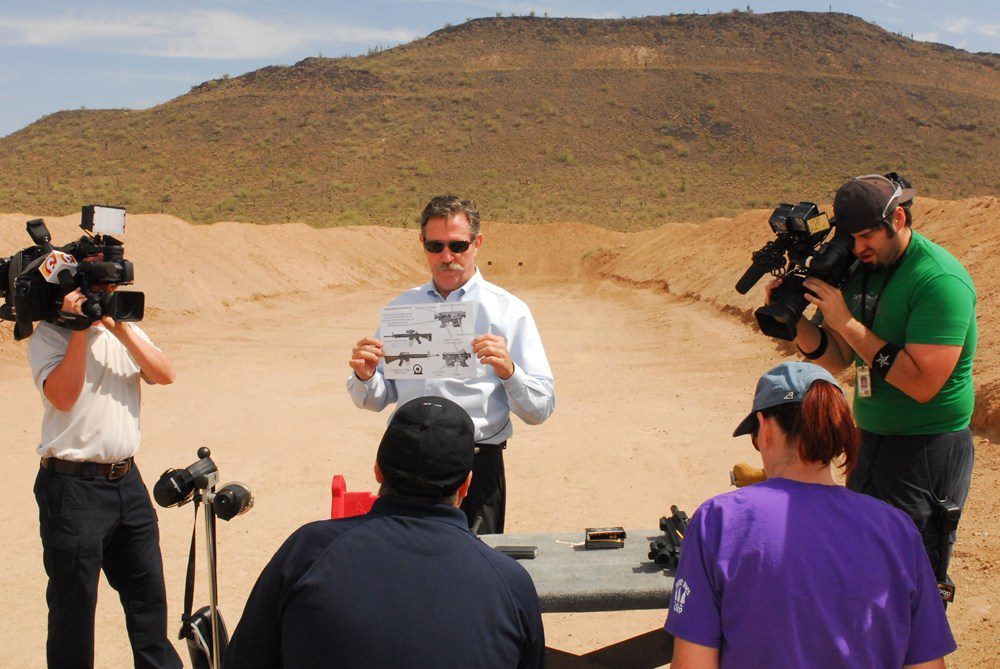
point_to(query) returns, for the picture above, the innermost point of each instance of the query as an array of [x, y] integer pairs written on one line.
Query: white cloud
[[927, 37], [127, 76], [959, 25], [965, 25], [193, 34]]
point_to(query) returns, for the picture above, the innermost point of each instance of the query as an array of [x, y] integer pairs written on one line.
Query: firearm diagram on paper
[[430, 341]]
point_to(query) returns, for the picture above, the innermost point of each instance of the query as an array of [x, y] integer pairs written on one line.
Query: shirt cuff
[[516, 380]]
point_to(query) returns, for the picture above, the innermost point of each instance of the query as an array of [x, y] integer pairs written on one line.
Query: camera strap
[[189, 581], [878, 296], [186, 617]]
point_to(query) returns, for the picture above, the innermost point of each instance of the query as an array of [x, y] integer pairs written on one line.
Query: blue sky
[[67, 54]]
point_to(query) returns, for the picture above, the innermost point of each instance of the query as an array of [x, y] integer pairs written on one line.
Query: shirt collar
[[471, 287], [398, 506]]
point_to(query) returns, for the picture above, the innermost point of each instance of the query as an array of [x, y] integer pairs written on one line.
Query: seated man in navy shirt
[[407, 584]]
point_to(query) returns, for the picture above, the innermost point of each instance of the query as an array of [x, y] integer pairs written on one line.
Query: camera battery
[[604, 537]]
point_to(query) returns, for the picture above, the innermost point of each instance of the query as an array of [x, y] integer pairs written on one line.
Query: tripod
[[205, 630]]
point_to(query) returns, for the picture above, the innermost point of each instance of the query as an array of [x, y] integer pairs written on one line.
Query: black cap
[[862, 202], [428, 448]]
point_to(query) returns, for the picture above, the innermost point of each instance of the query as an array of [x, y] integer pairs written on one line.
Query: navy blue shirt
[[406, 585]]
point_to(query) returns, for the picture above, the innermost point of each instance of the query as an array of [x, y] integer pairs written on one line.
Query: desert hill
[[625, 124]]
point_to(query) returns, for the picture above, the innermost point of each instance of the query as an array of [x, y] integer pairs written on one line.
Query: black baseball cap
[[428, 448], [866, 201]]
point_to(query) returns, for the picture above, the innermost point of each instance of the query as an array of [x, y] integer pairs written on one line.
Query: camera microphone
[[750, 278], [59, 268]]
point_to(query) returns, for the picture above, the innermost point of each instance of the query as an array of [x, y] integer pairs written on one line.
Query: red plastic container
[[346, 504]]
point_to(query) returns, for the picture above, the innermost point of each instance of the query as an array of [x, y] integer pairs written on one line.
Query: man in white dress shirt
[[514, 375]]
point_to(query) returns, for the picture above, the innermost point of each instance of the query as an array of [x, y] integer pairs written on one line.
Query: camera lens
[[780, 318], [231, 500], [175, 488]]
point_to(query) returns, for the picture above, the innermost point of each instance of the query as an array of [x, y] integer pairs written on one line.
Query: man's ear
[[899, 219], [378, 475], [463, 489]]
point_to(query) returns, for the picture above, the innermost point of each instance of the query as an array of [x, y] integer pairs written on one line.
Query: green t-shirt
[[929, 299]]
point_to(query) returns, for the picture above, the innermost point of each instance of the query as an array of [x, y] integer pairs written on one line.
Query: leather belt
[[491, 447], [109, 470]]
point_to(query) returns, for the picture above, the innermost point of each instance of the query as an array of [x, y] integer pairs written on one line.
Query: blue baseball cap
[[785, 384]]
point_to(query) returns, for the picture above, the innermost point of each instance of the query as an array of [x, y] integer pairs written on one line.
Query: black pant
[[487, 499], [89, 523], [913, 472]]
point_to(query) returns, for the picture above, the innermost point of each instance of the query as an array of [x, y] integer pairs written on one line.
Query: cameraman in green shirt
[[906, 320]]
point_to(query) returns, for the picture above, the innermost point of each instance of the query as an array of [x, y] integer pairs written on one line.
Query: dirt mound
[[185, 269]]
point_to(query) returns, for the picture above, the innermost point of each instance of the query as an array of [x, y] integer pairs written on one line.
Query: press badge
[[864, 381]]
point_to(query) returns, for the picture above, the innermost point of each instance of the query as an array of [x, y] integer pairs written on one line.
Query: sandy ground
[[653, 359]]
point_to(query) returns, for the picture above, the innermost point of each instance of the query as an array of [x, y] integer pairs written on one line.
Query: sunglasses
[[454, 247], [896, 193]]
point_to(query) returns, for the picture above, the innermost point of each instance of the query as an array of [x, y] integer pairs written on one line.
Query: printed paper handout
[[430, 341]]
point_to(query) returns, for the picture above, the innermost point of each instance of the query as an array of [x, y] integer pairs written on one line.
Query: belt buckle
[[118, 469]]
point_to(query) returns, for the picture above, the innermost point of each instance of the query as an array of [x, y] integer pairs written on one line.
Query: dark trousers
[[486, 502], [89, 523], [914, 472]]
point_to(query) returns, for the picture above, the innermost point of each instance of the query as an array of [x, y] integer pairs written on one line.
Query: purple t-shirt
[[789, 574]]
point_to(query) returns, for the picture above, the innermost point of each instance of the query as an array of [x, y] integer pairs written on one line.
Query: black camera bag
[[198, 631]]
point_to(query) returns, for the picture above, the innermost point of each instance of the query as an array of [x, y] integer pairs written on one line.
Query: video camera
[[34, 281], [802, 230]]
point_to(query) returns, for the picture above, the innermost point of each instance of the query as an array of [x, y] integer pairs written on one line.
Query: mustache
[[451, 265]]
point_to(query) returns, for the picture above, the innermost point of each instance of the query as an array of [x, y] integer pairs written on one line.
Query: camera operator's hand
[[365, 356], [113, 325], [770, 287], [73, 302], [830, 301]]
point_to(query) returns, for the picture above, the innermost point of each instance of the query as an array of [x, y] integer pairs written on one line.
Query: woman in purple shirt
[[798, 571]]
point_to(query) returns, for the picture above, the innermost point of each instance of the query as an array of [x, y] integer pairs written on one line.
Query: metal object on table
[[595, 538]]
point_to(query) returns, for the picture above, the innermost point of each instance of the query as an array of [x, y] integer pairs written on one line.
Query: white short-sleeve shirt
[[103, 425]]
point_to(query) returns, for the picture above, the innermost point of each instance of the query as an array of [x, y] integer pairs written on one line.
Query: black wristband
[[824, 341], [882, 362]]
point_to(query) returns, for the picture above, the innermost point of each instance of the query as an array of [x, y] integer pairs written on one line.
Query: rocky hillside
[[625, 124]]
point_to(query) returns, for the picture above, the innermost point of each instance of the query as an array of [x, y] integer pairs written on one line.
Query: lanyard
[[878, 296]]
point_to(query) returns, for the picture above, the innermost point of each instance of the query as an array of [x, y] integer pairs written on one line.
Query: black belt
[[109, 470], [491, 447]]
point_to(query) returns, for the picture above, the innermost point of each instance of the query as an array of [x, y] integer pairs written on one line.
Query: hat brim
[[747, 425]]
